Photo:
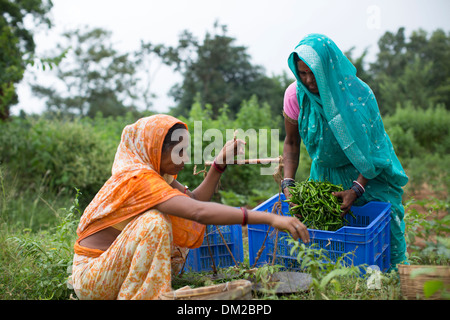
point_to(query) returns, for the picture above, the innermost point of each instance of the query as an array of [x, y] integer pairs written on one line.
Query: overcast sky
[[269, 29]]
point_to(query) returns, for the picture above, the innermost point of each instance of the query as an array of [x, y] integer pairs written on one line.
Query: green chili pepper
[[314, 203]]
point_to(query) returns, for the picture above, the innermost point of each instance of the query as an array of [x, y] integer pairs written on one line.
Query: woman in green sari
[[337, 117]]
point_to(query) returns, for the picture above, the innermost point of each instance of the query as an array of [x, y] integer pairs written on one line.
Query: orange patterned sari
[[134, 188]]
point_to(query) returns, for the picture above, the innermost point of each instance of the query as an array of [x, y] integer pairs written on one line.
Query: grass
[[37, 231], [330, 281]]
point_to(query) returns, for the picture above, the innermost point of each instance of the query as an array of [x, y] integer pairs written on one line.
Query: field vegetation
[[53, 163], [51, 169]]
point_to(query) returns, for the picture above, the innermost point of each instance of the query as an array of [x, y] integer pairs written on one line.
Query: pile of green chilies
[[315, 206]]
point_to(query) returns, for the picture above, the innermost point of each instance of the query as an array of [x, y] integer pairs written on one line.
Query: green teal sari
[[344, 134]]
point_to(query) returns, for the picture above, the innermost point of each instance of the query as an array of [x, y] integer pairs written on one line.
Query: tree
[[17, 45], [95, 77], [221, 73], [414, 70]]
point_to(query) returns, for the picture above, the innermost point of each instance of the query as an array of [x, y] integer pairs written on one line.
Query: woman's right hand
[[230, 150], [291, 225], [287, 193]]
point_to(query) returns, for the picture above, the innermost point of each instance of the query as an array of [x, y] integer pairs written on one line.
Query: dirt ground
[[425, 193]]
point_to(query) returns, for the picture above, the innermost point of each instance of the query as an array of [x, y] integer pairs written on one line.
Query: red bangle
[[185, 189], [217, 167], [245, 216]]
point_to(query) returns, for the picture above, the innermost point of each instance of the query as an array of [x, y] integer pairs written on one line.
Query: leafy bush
[[421, 138], [326, 274], [427, 234], [422, 130], [430, 169], [406, 146], [60, 154]]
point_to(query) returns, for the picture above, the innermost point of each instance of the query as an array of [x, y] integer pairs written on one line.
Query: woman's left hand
[[348, 197], [230, 150]]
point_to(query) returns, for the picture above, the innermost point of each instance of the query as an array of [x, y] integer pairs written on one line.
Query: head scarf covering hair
[[348, 107], [136, 185]]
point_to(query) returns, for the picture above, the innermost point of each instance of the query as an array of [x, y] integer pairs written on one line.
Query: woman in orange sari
[[136, 231]]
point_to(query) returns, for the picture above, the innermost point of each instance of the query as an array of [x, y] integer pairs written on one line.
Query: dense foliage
[[93, 77], [62, 154], [17, 45], [219, 72], [65, 155], [410, 70]]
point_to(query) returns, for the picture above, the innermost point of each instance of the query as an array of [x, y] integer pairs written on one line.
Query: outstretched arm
[[219, 214]]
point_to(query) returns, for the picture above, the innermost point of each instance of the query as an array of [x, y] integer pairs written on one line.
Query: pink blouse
[[290, 104]]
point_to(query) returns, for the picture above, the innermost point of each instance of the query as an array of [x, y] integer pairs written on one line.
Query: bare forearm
[[363, 181], [215, 213], [210, 212], [291, 154], [205, 190], [291, 149]]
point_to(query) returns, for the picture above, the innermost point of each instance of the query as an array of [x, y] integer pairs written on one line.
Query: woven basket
[[412, 286], [234, 290]]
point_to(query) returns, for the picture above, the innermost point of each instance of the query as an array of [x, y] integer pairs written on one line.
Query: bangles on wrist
[[244, 216], [287, 182], [220, 170], [358, 188]]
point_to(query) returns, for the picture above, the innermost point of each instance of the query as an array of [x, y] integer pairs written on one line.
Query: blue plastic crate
[[200, 259], [368, 236]]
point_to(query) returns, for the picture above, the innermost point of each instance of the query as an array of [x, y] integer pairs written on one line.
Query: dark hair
[[168, 142]]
